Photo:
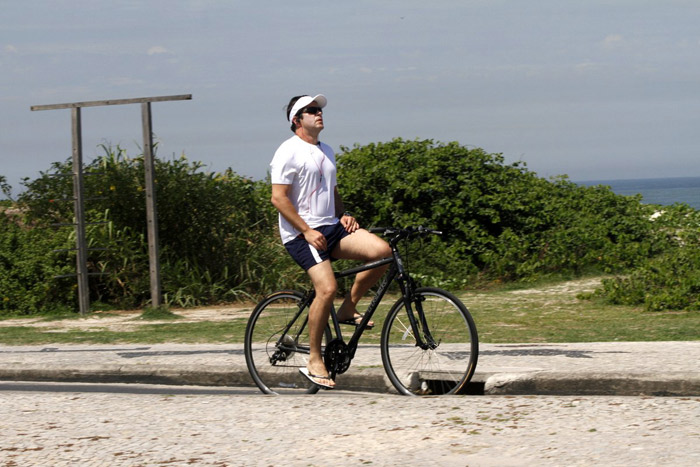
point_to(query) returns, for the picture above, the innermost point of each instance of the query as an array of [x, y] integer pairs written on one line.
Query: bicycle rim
[[445, 369], [273, 356]]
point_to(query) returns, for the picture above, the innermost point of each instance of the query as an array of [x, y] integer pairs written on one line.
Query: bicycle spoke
[[274, 356], [406, 326], [445, 369]]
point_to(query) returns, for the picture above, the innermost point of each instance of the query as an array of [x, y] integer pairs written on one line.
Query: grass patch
[[547, 313], [555, 314], [185, 333], [159, 313]]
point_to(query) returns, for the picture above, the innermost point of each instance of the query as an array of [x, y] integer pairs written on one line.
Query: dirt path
[[129, 320]]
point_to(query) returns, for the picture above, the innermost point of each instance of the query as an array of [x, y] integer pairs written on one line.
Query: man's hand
[[316, 239], [349, 223]]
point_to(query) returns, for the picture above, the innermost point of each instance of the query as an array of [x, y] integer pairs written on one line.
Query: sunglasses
[[312, 110]]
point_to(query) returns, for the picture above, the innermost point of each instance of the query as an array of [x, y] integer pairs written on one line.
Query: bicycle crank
[[337, 357]]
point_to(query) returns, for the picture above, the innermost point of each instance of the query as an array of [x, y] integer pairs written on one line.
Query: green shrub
[[219, 240], [500, 220], [670, 281], [218, 236], [28, 266]]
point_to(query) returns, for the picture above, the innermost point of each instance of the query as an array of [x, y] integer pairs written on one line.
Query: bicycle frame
[[379, 295], [311, 294], [397, 272]]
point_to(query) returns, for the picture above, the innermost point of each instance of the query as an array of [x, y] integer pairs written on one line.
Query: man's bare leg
[[325, 286], [366, 247]]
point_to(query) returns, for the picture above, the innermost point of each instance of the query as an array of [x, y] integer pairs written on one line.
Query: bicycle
[[428, 342]]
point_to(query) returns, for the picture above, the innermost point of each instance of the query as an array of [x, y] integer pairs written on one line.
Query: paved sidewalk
[[624, 368], [83, 425]]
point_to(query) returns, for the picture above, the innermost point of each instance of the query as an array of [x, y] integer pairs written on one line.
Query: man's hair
[[293, 101]]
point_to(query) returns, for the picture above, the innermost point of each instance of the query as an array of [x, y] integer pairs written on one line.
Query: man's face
[[311, 118]]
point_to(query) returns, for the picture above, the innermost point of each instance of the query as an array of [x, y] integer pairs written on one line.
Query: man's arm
[[347, 221], [280, 200]]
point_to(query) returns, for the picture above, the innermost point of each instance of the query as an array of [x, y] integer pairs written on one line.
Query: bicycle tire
[[449, 367], [275, 369]]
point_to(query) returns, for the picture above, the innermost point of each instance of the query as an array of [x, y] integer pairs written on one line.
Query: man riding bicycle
[[314, 226]]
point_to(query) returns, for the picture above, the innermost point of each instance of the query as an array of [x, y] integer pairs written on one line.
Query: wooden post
[[151, 211], [79, 211]]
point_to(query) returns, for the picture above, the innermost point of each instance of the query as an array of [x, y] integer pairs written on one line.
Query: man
[[314, 226]]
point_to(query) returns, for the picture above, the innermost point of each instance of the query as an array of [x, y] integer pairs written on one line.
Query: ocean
[[664, 191]]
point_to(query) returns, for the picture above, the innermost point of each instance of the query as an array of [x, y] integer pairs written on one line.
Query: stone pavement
[[594, 406], [82, 426], [621, 368]]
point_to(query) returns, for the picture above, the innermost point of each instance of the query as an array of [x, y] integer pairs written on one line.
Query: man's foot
[[353, 318], [355, 321], [324, 381]]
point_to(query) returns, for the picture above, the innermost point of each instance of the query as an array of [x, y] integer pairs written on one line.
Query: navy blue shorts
[[306, 256]]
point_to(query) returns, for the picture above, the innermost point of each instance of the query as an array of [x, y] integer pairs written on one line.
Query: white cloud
[[612, 40], [157, 49], [586, 66], [11, 49]]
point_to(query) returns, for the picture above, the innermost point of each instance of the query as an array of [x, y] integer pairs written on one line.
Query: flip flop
[[312, 377], [355, 321]]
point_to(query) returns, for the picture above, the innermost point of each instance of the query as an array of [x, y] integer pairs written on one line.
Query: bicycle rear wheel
[[273, 355], [448, 367]]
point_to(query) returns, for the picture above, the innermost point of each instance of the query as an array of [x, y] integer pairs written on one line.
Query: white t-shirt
[[310, 170]]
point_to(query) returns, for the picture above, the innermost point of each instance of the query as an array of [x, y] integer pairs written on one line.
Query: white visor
[[303, 101]]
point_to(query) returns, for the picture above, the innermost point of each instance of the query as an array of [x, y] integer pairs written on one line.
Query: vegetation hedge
[[500, 221], [219, 239], [216, 233], [670, 280]]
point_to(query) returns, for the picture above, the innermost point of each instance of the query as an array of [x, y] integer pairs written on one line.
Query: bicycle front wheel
[[277, 344], [449, 364]]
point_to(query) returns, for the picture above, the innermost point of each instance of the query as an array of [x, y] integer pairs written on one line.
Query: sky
[[592, 89]]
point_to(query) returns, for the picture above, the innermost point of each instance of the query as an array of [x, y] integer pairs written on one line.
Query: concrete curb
[[598, 368], [179, 375], [593, 384], [677, 384]]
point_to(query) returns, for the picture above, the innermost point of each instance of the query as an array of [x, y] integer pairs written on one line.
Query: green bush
[[28, 266], [219, 240], [218, 236], [500, 220], [670, 281], [6, 190]]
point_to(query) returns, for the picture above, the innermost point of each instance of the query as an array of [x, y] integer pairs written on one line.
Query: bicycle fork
[[421, 330]]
